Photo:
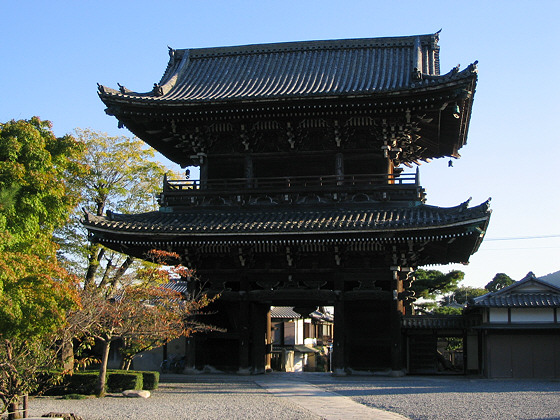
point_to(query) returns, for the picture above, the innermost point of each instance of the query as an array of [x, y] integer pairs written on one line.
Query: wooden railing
[[289, 183], [332, 188]]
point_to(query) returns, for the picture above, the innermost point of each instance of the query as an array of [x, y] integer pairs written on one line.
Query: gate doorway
[[301, 339]]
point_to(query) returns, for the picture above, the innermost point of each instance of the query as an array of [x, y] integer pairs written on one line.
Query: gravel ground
[[234, 397], [212, 398], [451, 397]]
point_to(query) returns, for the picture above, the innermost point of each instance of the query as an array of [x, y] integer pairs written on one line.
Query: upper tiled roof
[[296, 69], [235, 221], [552, 278]]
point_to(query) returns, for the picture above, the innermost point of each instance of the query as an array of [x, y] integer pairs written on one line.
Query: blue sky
[[53, 54]]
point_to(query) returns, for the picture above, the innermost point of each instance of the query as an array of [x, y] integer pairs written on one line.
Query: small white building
[[520, 331]]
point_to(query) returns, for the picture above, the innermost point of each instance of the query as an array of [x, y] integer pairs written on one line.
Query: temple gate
[[302, 198]]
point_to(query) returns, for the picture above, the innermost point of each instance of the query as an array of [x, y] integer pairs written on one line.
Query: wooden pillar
[[249, 171], [258, 337], [244, 338], [390, 171], [339, 168], [465, 351], [203, 172], [268, 357], [339, 339], [482, 354], [395, 322]]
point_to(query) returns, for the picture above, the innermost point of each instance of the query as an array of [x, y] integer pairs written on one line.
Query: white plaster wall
[[532, 315], [298, 362], [299, 331], [498, 315]]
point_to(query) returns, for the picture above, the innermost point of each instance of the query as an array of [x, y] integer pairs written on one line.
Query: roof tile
[[280, 221], [298, 69]]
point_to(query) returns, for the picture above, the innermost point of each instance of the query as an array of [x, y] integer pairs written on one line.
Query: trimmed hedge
[[79, 383], [150, 379], [118, 382], [84, 383]]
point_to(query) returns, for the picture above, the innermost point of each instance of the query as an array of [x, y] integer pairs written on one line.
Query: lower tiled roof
[[236, 221], [284, 312], [178, 286], [520, 300]]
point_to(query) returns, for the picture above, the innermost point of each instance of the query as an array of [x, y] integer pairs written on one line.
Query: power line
[[522, 238], [518, 249]]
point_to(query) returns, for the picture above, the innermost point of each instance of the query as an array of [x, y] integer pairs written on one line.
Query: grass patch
[[75, 397]]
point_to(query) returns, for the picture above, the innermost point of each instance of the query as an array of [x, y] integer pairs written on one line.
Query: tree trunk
[[103, 369], [13, 409], [120, 272], [108, 269], [68, 355], [95, 255], [126, 362]]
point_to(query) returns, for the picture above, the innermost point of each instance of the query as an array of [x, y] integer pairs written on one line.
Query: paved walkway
[[328, 405]]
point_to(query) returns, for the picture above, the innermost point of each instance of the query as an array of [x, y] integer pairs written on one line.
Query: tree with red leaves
[[144, 313]]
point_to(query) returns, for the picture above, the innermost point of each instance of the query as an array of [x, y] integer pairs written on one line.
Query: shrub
[[79, 383], [151, 380], [84, 383], [118, 382]]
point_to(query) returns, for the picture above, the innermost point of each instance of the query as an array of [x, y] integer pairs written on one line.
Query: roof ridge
[[312, 45]]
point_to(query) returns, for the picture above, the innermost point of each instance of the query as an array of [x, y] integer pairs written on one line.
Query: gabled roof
[[284, 312], [530, 292], [297, 69], [219, 91]]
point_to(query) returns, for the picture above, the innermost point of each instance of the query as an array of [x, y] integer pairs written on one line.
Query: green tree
[[499, 281], [34, 297], [464, 294], [35, 292], [33, 166], [446, 310], [432, 283], [121, 176]]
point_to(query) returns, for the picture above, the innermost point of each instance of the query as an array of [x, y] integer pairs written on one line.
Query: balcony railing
[[180, 192], [293, 182]]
